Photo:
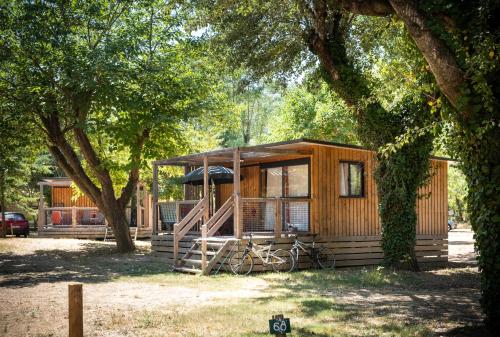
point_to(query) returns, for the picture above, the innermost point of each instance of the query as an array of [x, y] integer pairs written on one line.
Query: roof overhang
[[286, 148], [56, 181]]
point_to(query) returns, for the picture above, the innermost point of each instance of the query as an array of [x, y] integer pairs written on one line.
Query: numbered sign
[[279, 326]]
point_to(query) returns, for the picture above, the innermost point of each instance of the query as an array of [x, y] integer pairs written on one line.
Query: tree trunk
[[481, 166], [117, 220]]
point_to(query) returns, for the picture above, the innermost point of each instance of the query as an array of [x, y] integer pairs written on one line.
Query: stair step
[[192, 262], [209, 252], [187, 270]]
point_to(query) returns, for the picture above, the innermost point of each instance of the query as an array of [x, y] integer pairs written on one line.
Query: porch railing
[[72, 216], [194, 217], [275, 215], [172, 212]]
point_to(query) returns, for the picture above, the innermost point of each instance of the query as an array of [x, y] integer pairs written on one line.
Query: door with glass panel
[[289, 180]]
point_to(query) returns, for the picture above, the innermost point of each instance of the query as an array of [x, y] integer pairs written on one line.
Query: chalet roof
[[291, 147], [56, 181]]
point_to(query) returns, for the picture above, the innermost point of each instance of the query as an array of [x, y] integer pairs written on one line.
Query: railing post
[[203, 247], [42, 217], [238, 223], [138, 213], [277, 218], [176, 244], [73, 216], [155, 199], [177, 211], [206, 211]]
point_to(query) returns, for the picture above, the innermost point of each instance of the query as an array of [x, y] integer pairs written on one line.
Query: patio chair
[[56, 218], [167, 216]]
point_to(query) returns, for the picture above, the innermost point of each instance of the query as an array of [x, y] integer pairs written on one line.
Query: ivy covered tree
[[321, 36], [110, 84], [460, 41]]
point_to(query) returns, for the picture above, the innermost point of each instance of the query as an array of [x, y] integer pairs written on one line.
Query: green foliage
[[311, 113], [457, 193], [472, 34]]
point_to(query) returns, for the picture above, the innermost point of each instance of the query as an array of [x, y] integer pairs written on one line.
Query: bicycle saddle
[[270, 242]]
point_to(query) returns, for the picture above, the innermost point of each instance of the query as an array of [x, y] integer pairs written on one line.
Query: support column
[[73, 216], [138, 212], [155, 199], [238, 223], [206, 214], [277, 218], [41, 221]]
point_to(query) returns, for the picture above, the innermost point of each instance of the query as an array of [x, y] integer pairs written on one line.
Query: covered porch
[[196, 233], [63, 215]]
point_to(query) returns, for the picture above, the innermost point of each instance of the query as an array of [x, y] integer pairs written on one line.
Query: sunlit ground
[[137, 295]]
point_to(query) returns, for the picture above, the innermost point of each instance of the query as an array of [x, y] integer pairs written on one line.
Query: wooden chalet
[[64, 216], [303, 186]]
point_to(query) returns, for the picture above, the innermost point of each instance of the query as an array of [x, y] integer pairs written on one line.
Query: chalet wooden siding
[[333, 216], [349, 225], [62, 197]]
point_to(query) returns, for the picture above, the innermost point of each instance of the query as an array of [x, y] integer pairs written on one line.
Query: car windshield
[[13, 216]]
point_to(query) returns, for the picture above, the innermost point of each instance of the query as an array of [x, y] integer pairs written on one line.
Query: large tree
[[460, 43], [460, 40], [109, 83], [282, 39]]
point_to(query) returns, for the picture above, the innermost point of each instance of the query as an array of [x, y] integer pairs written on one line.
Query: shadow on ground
[[93, 262], [436, 297]]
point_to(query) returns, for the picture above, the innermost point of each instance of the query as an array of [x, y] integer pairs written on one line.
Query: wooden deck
[[91, 232], [349, 250]]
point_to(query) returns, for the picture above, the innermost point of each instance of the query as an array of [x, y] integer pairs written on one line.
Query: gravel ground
[[34, 274]]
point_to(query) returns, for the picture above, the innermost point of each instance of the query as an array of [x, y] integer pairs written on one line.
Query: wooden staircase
[[208, 250], [193, 259]]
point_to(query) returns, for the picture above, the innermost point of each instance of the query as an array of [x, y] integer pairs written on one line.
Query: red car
[[18, 222]]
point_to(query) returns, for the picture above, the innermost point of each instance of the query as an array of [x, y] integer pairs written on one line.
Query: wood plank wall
[[432, 206], [61, 197], [333, 216]]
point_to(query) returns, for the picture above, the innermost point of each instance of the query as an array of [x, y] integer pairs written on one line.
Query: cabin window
[[289, 180], [351, 179]]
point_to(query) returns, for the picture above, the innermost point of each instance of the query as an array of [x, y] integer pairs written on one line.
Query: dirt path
[[34, 274]]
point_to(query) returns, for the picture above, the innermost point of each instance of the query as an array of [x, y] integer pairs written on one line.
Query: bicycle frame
[[259, 251], [306, 248]]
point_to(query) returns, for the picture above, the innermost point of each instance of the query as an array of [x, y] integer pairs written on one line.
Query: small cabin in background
[[312, 188], [62, 214]]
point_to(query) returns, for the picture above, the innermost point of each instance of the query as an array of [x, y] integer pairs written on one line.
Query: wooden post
[[277, 218], [155, 199], [238, 223], [41, 221], [206, 188], [206, 214], [176, 244], [148, 220], [75, 310], [138, 212], [73, 216], [177, 211], [203, 247]]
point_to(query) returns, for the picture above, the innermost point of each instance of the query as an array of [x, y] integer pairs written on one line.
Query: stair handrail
[[181, 228], [222, 214]]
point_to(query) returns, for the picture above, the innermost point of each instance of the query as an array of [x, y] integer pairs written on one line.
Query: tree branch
[[449, 77], [133, 177], [367, 7]]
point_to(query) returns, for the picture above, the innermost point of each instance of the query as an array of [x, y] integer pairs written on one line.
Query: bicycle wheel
[[295, 257], [281, 260], [241, 263], [325, 258]]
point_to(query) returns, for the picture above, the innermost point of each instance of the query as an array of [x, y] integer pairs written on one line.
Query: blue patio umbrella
[[216, 174]]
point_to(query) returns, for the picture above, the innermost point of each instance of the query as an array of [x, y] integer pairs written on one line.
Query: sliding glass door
[[289, 180]]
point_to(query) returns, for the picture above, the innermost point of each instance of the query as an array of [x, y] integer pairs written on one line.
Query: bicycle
[[242, 262], [322, 257]]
